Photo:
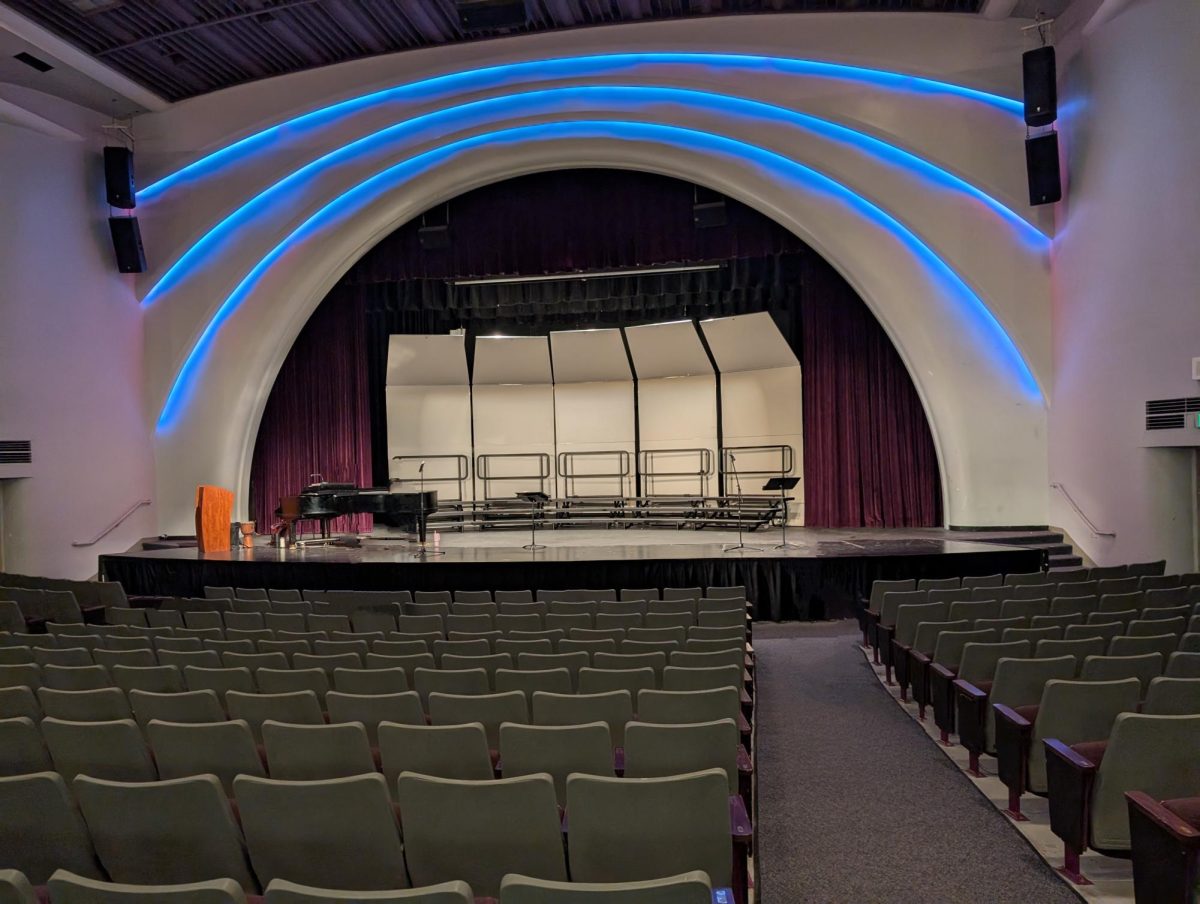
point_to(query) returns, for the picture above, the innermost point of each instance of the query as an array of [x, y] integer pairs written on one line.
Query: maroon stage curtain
[[317, 418], [869, 458]]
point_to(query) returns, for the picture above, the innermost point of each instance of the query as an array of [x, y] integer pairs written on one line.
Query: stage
[[819, 577]]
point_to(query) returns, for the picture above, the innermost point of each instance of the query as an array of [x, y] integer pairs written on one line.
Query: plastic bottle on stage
[[437, 539]]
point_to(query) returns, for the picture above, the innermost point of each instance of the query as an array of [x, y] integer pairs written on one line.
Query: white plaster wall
[[1127, 279], [70, 361]]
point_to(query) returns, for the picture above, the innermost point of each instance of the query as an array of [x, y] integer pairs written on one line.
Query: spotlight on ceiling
[[491, 15]]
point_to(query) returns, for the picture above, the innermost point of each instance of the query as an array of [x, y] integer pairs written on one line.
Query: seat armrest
[[1057, 748], [1172, 823], [1014, 735], [967, 690], [1165, 849], [1069, 780], [722, 896], [744, 763], [740, 826], [971, 720], [1010, 715], [941, 671]]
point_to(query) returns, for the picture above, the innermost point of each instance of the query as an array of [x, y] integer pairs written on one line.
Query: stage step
[[1060, 553], [1065, 561]]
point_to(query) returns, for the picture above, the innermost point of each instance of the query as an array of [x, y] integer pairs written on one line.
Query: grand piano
[[324, 501]]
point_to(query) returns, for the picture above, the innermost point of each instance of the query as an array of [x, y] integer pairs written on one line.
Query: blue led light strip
[[1004, 351], [564, 67], [523, 103]]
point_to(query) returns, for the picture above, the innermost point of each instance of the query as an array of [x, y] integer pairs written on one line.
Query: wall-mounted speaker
[[490, 15], [1041, 165], [1041, 86], [118, 177], [127, 243]]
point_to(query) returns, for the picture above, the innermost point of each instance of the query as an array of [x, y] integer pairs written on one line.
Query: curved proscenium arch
[[563, 67], [460, 115], [1003, 350]]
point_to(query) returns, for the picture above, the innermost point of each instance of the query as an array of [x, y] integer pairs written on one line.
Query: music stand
[[534, 499], [783, 484]]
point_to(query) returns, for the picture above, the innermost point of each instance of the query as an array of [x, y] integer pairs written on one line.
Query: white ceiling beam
[[997, 9], [74, 58], [15, 114], [1108, 9]]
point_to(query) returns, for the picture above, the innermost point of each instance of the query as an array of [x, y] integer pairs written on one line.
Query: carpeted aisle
[[855, 805]]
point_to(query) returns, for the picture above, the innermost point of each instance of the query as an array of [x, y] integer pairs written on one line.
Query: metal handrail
[[112, 527], [1086, 520]]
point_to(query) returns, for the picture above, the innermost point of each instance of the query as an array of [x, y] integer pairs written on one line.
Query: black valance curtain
[[869, 458]]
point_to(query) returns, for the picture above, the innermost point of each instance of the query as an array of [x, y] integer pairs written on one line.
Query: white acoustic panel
[[511, 359], [427, 361], [589, 356], [593, 413], [667, 350], [761, 404], [747, 342], [677, 420], [428, 402]]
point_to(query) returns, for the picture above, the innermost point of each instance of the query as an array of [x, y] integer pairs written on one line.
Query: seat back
[[603, 681], [299, 708], [686, 888], [283, 892], [1144, 667], [927, 634], [42, 830], [683, 678], [113, 750], [1172, 697], [1074, 711], [949, 648], [1021, 682], [978, 662], [910, 616], [1180, 664], [653, 751], [1080, 649], [447, 751], [557, 750], [480, 831], [315, 752], [554, 681], [879, 588], [488, 710], [21, 748], [675, 707], [189, 706], [164, 832], [613, 708], [643, 828], [339, 833], [372, 709], [223, 749], [458, 682], [1153, 754]]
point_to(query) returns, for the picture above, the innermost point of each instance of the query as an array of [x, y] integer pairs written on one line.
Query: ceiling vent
[[33, 62], [1170, 414]]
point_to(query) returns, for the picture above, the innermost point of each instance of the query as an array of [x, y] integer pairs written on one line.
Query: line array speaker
[[1041, 88], [127, 243], [118, 177], [1041, 165]]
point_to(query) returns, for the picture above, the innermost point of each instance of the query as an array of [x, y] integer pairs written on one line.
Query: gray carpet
[[856, 805]]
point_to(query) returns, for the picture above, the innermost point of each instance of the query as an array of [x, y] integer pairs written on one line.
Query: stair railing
[[1086, 520], [112, 527]]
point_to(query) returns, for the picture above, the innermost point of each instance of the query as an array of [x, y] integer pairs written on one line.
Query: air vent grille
[[1170, 414], [16, 452]]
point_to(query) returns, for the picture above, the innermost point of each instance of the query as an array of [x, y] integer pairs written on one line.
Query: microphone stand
[[423, 552], [738, 482]]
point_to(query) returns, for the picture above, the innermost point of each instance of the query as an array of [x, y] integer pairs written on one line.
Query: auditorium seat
[[339, 833], [198, 705], [327, 623], [513, 596], [1145, 667], [100, 705], [219, 680], [478, 647], [565, 621], [528, 681], [113, 749], [671, 606], [164, 832], [208, 659], [286, 648], [109, 658], [1017, 580], [16, 655], [680, 678], [572, 662], [1121, 618], [489, 663], [409, 663], [22, 749], [675, 634], [1014, 683], [622, 608], [11, 618], [666, 647], [1152, 754], [375, 619], [1172, 697], [42, 830], [625, 620], [1081, 606], [177, 644], [1071, 711], [299, 708], [449, 681], [159, 679], [1106, 631], [1080, 649], [1163, 597], [488, 710], [634, 594], [1165, 846], [602, 681], [615, 662], [164, 618], [1180, 664], [289, 681], [448, 751], [432, 596], [970, 659], [557, 750], [373, 709], [1125, 645], [637, 829], [75, 656], [75, 677], [488, 637], [223, 749], [590, 647], [21, 675], [653, 751], [15, 888], [327, 663], [614, 708], [282, 892], [21, 701], [316, 752], [515, 648], [1032, 635]]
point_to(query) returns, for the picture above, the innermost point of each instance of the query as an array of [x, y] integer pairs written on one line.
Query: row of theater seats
[[65, 887], [1085, 701], [360, 597], [350, 833]]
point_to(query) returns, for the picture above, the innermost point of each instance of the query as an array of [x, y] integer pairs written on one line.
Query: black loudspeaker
[[118, 177], [127, 242], [434, 238], [1041, 164], [1041, 87]]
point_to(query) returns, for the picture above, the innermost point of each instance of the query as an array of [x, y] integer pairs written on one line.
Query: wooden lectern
[[214, 514]]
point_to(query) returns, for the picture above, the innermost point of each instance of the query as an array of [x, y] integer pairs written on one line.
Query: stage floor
[[819, 576]]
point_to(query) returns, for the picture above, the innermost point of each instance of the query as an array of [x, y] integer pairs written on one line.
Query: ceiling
[[181, 48]]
